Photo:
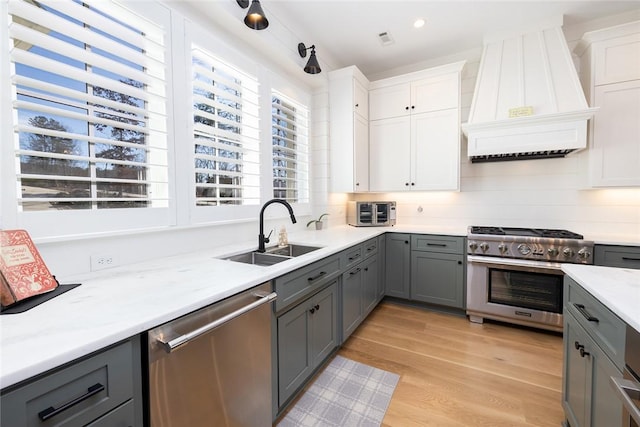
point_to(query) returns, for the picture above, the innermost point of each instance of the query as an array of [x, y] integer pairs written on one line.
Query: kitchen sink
[[272, 255], [291, 250]]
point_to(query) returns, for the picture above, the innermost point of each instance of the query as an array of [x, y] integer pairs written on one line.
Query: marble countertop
[[114, 304], [617, 288]]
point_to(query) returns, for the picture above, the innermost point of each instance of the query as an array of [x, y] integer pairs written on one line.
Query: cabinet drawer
[[75, 395], [617, 256], [443, 244], [296, 285], [123, 416], [351, 256], [369, 248], [605, 327]]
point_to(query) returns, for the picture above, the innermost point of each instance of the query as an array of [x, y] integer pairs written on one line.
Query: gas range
[[548, 245]]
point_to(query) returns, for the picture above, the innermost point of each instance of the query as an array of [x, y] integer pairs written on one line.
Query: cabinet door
[[575, 374], [294, 361], [351, 301], [360, 100], [397, 276], [389, 101], [435, 93], [390, 151], [606, 407], [369, 285], [615, 154], [361, 155], [324, 326], [617, 59], [435, 150], [382, 254], [437, 278]]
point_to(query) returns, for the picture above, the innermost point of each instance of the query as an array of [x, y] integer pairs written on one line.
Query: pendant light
[[312, 67], [255, 19]]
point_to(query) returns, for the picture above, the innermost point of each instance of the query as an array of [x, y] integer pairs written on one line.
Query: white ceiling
[[345, 32]]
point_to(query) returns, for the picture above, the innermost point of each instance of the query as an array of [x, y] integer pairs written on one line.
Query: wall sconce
[[312, 66], [255, 19]]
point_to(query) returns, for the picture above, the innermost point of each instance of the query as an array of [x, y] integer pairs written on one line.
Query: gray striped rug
[[345, 394]]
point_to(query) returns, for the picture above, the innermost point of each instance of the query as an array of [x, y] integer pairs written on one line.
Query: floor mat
[[346, 393]]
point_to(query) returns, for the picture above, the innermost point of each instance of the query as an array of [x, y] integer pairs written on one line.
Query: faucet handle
[[266, 239]]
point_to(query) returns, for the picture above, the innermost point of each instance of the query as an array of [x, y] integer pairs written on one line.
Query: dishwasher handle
[[169, 346]]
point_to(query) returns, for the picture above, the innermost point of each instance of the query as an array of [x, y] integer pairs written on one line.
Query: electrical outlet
[[100, 262]]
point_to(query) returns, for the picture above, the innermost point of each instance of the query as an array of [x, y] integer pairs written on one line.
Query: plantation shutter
[[226, 133], [89, 82], [289, 131]]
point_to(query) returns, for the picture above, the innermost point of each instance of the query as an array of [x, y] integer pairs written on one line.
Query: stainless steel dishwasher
[[213, 367]]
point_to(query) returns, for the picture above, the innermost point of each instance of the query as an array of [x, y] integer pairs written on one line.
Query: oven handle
[[523, 264], [624, 389]]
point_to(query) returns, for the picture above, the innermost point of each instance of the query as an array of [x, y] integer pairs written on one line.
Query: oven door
[[518, 291]]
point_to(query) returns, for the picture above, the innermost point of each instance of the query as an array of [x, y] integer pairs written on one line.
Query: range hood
[[528, 102]]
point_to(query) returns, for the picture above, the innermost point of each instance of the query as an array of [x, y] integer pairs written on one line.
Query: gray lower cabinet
[[398, 261], [307, 334], [438, 270], [382, 265], [587, 397], [102, 389], [617, 256], [360, 289]]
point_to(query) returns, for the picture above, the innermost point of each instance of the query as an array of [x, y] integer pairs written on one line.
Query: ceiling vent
[[528, 102], [385, 38]]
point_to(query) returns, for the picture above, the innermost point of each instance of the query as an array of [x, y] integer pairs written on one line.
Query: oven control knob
[[524, 249], [553, 252], [484, 246], [584, 253], [503, 248], [568, 252], [473, 246]]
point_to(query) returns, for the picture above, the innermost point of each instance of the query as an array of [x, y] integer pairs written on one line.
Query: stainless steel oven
[[371, 214], [514, 274]]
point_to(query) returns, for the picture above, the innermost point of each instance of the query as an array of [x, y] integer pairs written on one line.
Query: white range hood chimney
[[528, 102]]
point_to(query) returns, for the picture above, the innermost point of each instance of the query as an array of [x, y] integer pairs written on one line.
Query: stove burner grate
[[532, 232]]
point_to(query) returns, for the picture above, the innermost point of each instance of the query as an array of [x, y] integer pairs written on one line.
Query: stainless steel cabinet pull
[[183, 339], [52, 412], [585, 313], [626, 391], [319, 275]]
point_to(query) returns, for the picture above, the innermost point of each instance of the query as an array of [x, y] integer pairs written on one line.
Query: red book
[[23, 273]]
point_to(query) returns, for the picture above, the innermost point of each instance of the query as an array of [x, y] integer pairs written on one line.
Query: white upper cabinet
[[349, 130], [419, 96], [414, 131], [610, 74]]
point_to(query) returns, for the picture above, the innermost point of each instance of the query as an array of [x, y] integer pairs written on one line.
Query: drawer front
[[606, 329], [296, 285], [617, 256], [75, 395], [443, 244], [369, 248], [123, 416], [351, 256]]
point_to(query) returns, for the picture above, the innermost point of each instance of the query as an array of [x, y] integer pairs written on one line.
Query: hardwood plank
[[457, 373]]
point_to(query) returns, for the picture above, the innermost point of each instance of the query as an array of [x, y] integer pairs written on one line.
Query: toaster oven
[[371, 214]]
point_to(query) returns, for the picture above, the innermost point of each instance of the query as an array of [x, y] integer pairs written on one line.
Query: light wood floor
[[457, 373]]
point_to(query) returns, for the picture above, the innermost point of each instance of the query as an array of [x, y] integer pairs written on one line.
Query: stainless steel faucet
[[263, 240]]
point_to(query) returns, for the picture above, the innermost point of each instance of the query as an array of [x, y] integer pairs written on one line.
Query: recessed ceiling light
[[419, 23]]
